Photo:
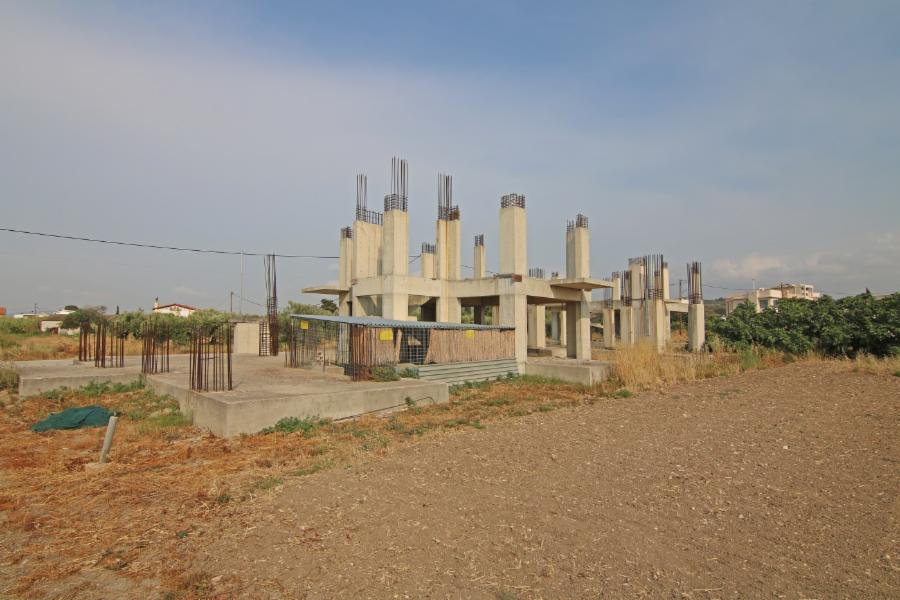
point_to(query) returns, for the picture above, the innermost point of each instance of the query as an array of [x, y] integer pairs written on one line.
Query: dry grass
[[873, 366], [641, 367], [49, 347]]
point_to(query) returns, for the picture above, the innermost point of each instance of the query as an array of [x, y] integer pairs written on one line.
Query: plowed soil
[[778, 483]]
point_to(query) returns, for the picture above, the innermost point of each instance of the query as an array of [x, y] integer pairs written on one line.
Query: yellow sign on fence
[[470, 333], [304, 324], [386, 335]]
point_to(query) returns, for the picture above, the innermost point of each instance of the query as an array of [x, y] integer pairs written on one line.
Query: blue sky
[[760, 138]]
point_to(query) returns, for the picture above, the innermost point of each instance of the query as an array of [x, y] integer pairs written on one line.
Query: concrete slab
[[39, 376], [264, 391], [587, 372]]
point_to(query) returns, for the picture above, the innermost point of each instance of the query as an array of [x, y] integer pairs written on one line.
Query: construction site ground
[[779, 483]]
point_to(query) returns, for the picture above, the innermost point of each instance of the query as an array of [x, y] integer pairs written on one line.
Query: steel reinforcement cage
[[360, 345]]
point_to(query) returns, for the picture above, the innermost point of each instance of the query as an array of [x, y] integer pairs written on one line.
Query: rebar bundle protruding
[[580, 221], [536, 272], [210, 358], [109, 344], [397, 199], [86, 342], [447, 211], [512, 200], [479, 240], [695, 283], [653, 275], [362, 211], [428, 248], [157, 342], [268, 331], [347, 233], [626, 287]]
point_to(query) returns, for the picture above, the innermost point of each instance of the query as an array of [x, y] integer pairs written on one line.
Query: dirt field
[[775, 483]]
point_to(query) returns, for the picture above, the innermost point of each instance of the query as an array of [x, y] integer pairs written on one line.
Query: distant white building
[[763, 298], [53, 323], [179, 310]]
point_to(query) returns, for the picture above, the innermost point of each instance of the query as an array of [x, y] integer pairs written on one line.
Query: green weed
[[306, 425]]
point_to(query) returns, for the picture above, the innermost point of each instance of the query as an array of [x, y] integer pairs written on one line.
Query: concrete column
[[395, 305], [578, 323], [617, 287], [395, 246], [479, 262], [441, 258], [454, 264], [367, 247], [513, 240], [696, 327], [449, 308], [578, 250], [637, 280], [427, 265], [563, 327], [609, 328], [345, 260], [537, 328], [658, 323], [554, 324], [626, 325], [344, 304], [513, 311]]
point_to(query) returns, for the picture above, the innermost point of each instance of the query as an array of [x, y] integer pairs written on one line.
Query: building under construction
[[374, 278]]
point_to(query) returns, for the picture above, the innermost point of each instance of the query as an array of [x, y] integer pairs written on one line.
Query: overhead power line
[[159, 246]]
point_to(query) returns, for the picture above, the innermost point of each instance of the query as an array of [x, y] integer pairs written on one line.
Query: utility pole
[[231, 302], [241, 297]]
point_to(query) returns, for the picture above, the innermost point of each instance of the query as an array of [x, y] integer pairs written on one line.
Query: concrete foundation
[[39, 376], [582, 372], [264, 391]]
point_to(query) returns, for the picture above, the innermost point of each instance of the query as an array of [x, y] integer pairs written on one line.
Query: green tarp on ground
[[75, 418]]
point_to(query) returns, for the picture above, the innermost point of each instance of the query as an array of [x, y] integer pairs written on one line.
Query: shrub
[[385, 373], [306, 425], [854, 325], [27, 326]]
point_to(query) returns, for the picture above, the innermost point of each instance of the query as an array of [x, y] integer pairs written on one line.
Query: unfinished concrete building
[[375, 280], [638, 307]]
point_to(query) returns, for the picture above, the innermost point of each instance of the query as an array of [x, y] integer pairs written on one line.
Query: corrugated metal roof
[[379, 322]]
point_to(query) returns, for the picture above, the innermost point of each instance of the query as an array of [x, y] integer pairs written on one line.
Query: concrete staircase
[[469, 371]]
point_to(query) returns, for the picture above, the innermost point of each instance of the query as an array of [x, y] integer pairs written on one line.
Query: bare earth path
[[779, 483]]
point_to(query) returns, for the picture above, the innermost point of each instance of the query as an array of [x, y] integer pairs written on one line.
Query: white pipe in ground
[[107, 441]]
